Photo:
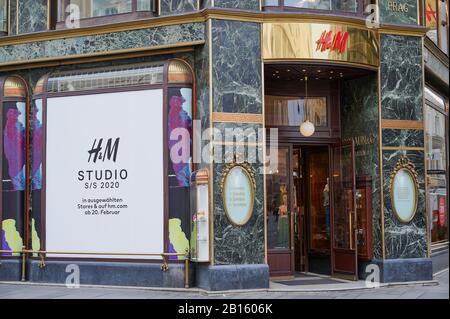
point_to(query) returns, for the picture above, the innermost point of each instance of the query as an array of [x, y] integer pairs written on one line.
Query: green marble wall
[[109, 42], [360, 122], [237, 88], [402, 99], [236, 62], [398, 17]]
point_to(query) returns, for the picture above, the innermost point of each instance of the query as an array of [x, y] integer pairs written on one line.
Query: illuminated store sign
[[336, 42]]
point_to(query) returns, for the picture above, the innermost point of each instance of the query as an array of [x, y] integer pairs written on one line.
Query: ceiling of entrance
[[297, 72]]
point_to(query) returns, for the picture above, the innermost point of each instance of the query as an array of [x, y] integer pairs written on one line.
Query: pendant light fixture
[[307, 128]]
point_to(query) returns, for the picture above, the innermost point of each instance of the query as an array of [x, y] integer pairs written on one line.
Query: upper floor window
[[436, 21], [3, 16], [91, 12], [350, 6]]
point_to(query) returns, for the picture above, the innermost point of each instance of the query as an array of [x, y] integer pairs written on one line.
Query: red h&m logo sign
[[327, 41]]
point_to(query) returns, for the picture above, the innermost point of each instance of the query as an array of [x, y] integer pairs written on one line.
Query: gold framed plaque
[[238, 192], [404, 190]]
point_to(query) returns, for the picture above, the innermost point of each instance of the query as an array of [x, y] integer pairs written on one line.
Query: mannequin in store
[[326, 205], [283, 221]]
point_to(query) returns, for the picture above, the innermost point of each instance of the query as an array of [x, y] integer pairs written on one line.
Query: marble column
[[233, 88], [405, 248]]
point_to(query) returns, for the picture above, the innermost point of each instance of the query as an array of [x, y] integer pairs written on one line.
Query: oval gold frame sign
[[404, 190], [238, 193]]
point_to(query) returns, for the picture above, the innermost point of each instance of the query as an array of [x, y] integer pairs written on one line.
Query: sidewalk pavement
[[437, 289]]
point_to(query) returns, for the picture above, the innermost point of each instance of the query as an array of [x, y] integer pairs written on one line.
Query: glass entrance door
[[344, 251], [279, 217]]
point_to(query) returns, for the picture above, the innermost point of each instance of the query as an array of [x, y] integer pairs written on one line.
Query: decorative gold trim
[[48, 14], [8, 18], [263, 105], [211, 138], [115, 52], [402, 124], [14, 87], [248, 171], [428, 230], [203, 16], [224, 117], [17, 18], [179, 72], [380, 147], [404, 164]]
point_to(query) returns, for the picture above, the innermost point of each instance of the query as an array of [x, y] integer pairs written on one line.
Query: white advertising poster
[[104, 174]]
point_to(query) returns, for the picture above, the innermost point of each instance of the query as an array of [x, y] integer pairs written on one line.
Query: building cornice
[[203, 16]]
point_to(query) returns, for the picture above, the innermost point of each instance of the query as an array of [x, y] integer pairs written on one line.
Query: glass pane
[[438, 207], [344, 5], [278, 221], [110, 77], [309, 4], [443, 35], [435, 135], [290, 111], [271, 3], [431, 19], [179, 144], [3, 12], [434, 99], [96, 8], [319, 200], [145, 5], [343, 198], [110, 7], [13, 183]]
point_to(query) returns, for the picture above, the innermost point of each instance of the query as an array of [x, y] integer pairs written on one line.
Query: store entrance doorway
[[311, 219], [311, 208]]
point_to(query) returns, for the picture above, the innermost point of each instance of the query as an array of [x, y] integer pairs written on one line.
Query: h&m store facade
[[95, 116]]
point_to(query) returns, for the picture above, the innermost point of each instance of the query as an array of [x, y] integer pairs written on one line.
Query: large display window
[[436, 132], [111, 161], [94, 11], [13, 188]]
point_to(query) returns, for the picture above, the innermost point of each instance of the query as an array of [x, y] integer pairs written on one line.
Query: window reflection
[[3, 17], [338, 5], [290, 111], [278, 224], [101, 8], [431, 19], [435, 135], [438, 207]]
